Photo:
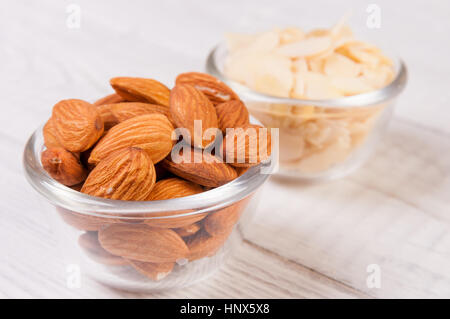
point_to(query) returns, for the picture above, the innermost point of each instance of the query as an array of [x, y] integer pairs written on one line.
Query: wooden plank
[[392, 212]]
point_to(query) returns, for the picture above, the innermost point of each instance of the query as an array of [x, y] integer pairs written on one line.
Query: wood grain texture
[[307, 241]]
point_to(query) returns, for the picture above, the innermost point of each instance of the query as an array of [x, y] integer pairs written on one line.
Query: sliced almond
[[309, 47]]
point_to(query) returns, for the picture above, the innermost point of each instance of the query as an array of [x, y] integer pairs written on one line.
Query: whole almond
[[214, 89], [204, 245], [232, 114], [113, 114], [210, 171], [143, 243], [187, 104], [126, 174], [77, 124], [141, 90], [173, 188], [109, 99], [49, 133], [90, 244], [151, 132], [63, 166], [251, 145], [152, 270]]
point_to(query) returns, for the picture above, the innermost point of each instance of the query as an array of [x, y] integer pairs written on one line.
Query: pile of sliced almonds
[[120, 148], [319, 64]]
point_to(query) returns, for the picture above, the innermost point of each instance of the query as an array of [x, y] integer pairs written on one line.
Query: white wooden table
[[307, 241]]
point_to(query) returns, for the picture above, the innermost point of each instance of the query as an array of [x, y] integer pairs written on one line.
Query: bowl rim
[[65, 197], [359, 100]]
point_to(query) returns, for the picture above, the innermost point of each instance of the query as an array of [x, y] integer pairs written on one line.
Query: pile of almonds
[[120, 148]]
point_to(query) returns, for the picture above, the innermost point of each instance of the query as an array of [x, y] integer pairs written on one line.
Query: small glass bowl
[[78, 219], [319, 139]]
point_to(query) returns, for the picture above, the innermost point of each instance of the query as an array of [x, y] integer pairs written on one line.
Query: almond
[[204, 245], [222, 222], [188, 230], [77, 124], [109, 99], [232, 114], [174, 219], [151, 132], [152, 270], [113, 114], [251, 146], [90, 244], [141, 90], [173, 188], [63, 166], [49, 133], [187, 104], [214, 89], [125, 111], [84, 222], [143, 243], [209, 172], [126, 174]]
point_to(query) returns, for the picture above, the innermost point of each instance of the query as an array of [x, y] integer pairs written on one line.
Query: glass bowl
[[190, 237], [319, 139]]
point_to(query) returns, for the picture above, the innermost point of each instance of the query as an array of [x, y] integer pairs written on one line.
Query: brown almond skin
[[125, 174], [153, 271], [188, 230], [128, 110], [242, 156], [174, 188], [108, 118], [77, 124], [109, 99], [141, 90], [143, 243], [222, 222], [232, 114], [209, 172], [187, 104], [204, 245], [151, 133], [214, 89], [90, 244], [49, 133], [113, 114], [63, 166]]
